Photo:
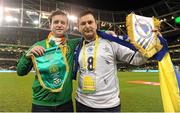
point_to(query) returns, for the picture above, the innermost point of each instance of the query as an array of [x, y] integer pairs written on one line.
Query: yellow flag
[[169, 85]]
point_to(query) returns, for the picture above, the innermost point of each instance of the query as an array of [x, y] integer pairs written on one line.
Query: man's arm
[[111, 33], [128, 55], [74, 42], [24, 65]]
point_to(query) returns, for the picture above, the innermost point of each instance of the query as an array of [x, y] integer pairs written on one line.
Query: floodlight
[[1, 14], [10, 19], [7, 9], [32, 13], [45, 15], [72, 18], [35, 22], [75, 28]]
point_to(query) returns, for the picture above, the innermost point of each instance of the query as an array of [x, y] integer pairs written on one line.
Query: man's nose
[[59, 24], [87, 25]]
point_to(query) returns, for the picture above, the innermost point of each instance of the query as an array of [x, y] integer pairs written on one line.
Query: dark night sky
[[113, 5]]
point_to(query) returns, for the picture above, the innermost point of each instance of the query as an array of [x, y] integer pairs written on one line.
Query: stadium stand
[[23, 22]]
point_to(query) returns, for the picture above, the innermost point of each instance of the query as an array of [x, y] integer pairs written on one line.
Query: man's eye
[[62, 22], [90, 22], [83, 23], [56, 22]]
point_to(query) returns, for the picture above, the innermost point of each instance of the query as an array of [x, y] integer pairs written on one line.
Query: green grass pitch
[[15, 92]]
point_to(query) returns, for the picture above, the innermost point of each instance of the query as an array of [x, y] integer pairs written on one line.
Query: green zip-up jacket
[[43, 96]]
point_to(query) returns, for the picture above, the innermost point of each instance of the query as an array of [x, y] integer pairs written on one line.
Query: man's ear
[[79, 29], [96, 26], [49, 26], [67, 26]]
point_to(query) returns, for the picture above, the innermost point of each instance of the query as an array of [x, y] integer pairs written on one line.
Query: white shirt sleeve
[[127, 55]]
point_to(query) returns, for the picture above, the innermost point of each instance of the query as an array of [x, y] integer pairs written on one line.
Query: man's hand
[[36, 50], [160, 54], [111, 33]]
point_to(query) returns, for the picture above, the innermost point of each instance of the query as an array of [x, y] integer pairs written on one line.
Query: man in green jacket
[[43, 99]]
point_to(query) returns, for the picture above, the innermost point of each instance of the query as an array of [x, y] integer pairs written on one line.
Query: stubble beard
[[89, 37]]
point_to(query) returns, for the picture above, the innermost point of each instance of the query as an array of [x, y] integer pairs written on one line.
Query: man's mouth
[[88, 31], [58, 29]]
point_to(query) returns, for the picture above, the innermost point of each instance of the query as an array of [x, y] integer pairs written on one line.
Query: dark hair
[[54, 13], [86, 12]]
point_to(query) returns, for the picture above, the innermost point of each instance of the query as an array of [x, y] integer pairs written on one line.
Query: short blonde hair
[[56, 12]]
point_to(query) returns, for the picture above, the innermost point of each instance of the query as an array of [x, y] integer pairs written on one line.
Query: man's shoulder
[[102, 40], [41, 43]]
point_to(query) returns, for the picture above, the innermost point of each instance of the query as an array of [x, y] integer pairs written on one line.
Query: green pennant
[[51, 69]]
